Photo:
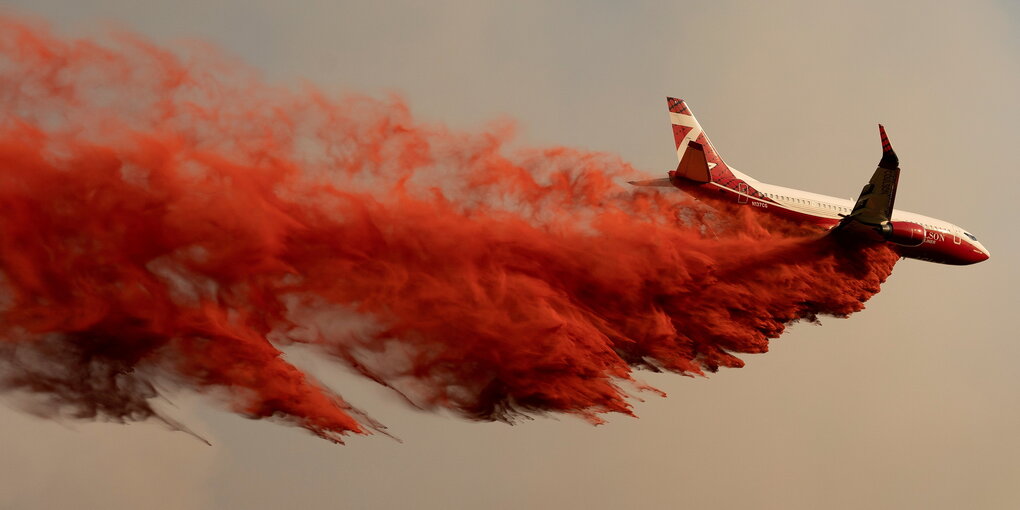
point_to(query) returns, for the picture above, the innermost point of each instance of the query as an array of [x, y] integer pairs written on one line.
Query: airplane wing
[[875, 204]]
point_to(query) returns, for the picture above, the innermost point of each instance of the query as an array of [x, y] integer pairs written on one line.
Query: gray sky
[[911, 403]]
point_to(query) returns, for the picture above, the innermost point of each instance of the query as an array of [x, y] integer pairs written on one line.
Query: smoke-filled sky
[[909, 403]]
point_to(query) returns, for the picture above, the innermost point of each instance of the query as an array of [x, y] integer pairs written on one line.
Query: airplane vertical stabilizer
[[698, 159]]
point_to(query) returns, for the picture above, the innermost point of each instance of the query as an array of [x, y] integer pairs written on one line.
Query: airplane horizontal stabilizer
[[664, 182]]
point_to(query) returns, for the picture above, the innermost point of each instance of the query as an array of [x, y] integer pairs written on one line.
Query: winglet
[[889, 158]]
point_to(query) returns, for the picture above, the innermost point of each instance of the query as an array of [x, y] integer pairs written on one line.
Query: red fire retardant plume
[[167, 220]]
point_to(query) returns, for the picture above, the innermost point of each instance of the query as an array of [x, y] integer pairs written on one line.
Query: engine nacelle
[[904, 233]]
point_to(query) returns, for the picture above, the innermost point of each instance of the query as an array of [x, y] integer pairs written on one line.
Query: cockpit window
[[971, 236]]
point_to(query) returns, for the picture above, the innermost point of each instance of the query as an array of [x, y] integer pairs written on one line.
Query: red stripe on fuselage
[[940, 247]]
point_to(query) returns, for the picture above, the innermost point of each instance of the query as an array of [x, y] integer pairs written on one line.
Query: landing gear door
[[742, 190]]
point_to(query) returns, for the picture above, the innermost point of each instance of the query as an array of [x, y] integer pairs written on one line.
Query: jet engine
[[904, 233]]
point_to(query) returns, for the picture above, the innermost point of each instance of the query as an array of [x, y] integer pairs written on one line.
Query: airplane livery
[[704, 175]]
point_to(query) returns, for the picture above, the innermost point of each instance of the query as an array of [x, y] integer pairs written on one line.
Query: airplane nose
[[981, 253]]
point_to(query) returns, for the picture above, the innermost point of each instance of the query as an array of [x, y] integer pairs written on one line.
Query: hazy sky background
[[911, 403]]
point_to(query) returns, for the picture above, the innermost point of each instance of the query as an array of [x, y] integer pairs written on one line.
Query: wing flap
[[875, 203]]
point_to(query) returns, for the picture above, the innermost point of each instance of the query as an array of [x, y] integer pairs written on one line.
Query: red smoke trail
[[167, 220]]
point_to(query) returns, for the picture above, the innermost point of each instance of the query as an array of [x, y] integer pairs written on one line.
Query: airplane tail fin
[[699, 161]]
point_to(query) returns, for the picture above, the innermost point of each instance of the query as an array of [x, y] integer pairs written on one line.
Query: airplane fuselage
[[943, 243]]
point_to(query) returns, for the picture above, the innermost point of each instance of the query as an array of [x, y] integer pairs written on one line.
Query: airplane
[[704, 175]]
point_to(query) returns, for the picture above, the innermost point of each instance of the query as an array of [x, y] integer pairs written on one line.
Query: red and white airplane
[[703, 174]]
